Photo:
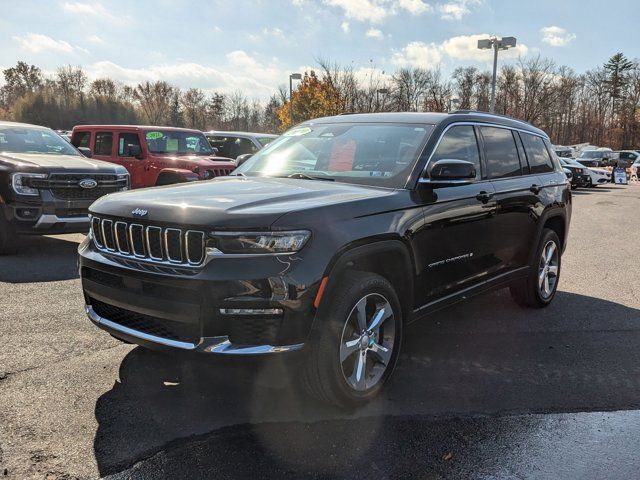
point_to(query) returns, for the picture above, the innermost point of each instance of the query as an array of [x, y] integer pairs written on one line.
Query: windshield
[[176, 142], [370, 154], [34, 140], [593, 154], [264, 141]]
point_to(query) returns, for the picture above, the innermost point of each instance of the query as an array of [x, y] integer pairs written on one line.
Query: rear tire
[[8, 237], [348, 364], [539, 288]]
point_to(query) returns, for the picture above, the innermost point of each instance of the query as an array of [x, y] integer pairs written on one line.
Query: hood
[[232, 202], [56, 163], [190, 161]]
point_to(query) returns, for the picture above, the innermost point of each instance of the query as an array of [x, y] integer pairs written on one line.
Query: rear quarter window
[[501, 153], [537, 154]]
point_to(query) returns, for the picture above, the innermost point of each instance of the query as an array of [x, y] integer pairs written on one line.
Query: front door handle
[[535, 189], [484, 197]]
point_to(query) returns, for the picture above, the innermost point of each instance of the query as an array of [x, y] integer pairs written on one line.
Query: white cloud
[[345, 26], [418, 54], [36, 43], [414, 7], [463, 47], [457, 9], [374, 33], [374, 11], [556, 36], [273, 32], [95, 39], [96, 10], [241, 72]]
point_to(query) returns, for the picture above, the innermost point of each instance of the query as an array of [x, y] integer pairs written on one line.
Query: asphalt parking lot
[[483, 390]]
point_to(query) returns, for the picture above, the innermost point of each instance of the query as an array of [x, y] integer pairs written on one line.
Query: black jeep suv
[[46, 185], [330, 240]]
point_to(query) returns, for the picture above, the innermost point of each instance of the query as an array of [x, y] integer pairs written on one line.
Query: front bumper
[[216, 345], [47, 217], [178, 311]]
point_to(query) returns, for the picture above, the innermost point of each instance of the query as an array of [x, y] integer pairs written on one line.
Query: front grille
[[159, 327], [222, 172], [174, 246], [66, 186]]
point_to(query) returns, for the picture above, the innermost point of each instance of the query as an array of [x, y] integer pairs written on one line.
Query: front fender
[[186, 175]]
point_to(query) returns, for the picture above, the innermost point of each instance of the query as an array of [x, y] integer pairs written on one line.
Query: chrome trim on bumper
[[46, 220], [215, 345]]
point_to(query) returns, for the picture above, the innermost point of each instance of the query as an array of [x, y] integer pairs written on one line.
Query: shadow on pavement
[[41, 259], [485, 356]]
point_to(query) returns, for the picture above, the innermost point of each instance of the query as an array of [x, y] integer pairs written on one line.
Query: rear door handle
[[535, 189], [484, 197]]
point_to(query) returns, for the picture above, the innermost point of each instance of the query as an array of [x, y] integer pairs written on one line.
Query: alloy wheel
[[367, 342], [548, 269]]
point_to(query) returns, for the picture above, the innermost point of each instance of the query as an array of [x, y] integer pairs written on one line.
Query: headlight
[[208, 174], [20, 183], [124, 176], [256, 243]]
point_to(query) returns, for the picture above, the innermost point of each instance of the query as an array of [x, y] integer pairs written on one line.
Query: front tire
[[539, 288], [357, 340]]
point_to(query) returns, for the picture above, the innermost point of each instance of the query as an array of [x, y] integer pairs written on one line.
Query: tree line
[[600, 106]]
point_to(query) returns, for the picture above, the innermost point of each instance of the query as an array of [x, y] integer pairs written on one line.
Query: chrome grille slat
[[150, 243], [107, 235], [120, 228], [153, 236], [194, 255]]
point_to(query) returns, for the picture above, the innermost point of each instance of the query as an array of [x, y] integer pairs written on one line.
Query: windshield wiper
[[304, 176]]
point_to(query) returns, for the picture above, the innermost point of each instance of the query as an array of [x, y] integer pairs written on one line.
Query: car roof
[[138, 127], [431, 118], [246, 134], [4, 123]]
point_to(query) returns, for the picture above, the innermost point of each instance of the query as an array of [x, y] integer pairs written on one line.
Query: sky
[[252, 46]]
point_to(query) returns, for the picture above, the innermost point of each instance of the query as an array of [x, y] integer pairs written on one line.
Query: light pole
[[292, 77], [504, 43], [379, 91]]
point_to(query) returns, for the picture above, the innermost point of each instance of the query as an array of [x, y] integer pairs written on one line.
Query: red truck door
[[131, 154]]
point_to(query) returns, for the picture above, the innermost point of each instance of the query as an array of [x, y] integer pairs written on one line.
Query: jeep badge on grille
[[139, 212], [88, 183]]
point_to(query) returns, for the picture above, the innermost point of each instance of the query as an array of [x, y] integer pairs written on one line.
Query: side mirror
[[86, 151], [452, 171], [134, 151], [215, 151], [240, 159]]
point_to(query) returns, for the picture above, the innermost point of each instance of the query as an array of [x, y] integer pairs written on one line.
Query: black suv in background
[[46, 185], [328, 241]]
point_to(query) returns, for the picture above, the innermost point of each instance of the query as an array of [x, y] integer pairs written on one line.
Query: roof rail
[[488, 114]]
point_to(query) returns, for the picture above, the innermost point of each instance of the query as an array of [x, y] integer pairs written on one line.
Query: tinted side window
[[104, 143], [81, 139], [222, 144], [459, 143], [537, 154], [500, 152], [124, 140]]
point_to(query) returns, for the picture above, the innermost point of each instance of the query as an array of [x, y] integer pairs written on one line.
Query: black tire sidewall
[[355, 286], [547, 235]]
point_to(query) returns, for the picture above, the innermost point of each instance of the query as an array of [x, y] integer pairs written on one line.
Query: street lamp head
[[295, 76], [485, 44], [507, 42]]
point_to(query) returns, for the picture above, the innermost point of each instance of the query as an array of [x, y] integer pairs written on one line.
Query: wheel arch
[[390, 258], [178, 174]]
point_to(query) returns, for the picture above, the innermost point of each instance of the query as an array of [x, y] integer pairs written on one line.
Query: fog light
[[251, 311], [27, 213]]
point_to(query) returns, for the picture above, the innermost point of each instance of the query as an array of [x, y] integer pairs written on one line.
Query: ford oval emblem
[[139, 212], [88, 183]]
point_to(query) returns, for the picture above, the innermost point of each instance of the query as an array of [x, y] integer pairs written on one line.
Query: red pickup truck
[[153, 155]]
